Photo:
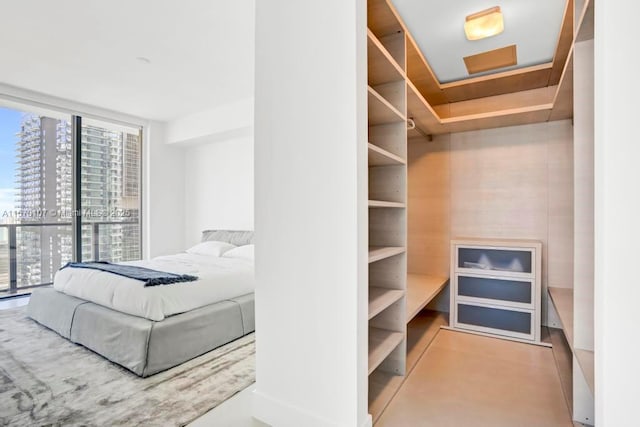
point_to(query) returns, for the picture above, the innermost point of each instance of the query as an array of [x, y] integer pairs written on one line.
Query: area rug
[[47, 380]]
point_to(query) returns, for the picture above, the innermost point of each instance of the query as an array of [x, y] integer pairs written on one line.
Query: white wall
[[218, 187], [617, 213], [218, 124], [163, 193], [311, 213]]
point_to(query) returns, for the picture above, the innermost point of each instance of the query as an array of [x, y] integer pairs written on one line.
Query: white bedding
[[219, 278]]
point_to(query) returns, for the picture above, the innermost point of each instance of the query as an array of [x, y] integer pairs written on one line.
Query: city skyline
[[36, 180]]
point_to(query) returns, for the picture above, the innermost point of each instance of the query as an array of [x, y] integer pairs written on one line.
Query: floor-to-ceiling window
[[54, 209]]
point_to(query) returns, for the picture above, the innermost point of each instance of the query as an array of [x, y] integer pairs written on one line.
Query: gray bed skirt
[[143, 346]]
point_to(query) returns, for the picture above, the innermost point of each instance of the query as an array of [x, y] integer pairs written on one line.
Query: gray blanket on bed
[[148, 276]]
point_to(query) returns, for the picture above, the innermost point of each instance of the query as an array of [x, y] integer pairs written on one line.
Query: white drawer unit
[[496, 287]]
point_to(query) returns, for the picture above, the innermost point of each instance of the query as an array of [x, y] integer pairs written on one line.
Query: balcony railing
[[28, 261]]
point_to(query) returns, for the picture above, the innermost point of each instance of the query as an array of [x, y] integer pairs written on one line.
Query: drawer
[[507, 291], [497, 320], [513, 262]]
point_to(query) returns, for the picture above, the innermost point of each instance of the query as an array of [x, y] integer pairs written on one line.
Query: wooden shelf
[[381, 344], [419, 110], [496, 119], [420, 332], [382, 387], [421, 289], [383, 204], [585, 359], [563, 302], [382, 68], [381, 111], [381, 157], [381, 298], [377, 253]]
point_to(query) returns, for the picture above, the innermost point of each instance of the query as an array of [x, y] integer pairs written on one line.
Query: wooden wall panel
[[428, 206], [560, 182], [500, 187]]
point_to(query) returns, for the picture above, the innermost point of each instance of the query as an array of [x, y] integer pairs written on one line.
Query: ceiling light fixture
[[484, 24]]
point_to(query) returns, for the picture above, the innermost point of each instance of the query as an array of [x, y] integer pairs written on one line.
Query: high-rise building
[[43, 154], [109, 193], [110, 186]]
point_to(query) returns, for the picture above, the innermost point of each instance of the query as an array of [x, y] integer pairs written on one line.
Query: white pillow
[[211, 248], [243, 252]]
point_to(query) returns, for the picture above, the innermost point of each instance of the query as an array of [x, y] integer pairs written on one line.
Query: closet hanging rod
[[411, 125]]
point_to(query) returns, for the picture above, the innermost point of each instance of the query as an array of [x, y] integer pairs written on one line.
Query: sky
[[9, 126]]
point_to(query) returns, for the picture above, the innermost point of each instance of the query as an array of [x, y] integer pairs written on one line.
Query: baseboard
[[277, 413], [500, 337]]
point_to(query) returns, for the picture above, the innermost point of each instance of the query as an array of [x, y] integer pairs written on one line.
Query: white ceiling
[[438, 28], [201, 52]]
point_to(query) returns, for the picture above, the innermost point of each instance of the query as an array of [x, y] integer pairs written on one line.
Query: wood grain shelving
[[420, 333], [563, 302], [586, 359], [421, 289], [381, 157], [382, 67], [377, 253], [381, 111], [383, 204], [381, 298], [381, 343]]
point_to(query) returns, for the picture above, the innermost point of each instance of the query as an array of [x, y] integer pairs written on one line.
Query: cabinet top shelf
[[421, 289]]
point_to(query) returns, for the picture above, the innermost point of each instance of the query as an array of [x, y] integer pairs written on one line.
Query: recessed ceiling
[[438, 29], [158, 59]]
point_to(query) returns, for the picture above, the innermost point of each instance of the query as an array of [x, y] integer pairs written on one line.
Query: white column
[[311, 213], [617, 214]]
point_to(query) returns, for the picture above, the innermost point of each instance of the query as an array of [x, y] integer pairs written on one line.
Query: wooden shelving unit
[[428, 101], [421, 289], [420, 332], [585, 359], [383, 204], [562, 299], [387, 153], [381, 298], [407, 268], [381, 157], [382, 67], [377, 253], [381, 343], [382, 111]]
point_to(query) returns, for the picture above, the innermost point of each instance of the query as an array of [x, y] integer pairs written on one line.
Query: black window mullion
[[77, 188]]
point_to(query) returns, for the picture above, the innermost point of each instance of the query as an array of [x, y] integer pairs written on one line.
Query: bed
[[151, 329]]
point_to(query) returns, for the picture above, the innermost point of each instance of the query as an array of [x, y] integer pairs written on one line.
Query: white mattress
[[219, 278]]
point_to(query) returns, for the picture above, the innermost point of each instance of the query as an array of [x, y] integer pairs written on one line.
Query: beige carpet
[[47, 380]]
